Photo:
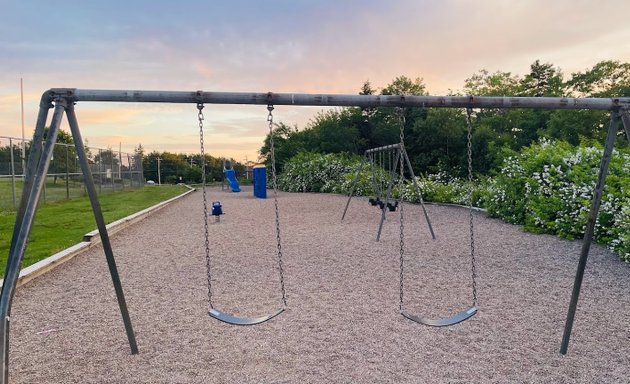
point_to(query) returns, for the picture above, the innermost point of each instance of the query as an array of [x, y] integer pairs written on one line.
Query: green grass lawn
[[62, 224]]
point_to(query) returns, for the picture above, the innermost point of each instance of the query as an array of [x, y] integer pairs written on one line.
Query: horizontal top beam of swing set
[[384, 148], [333, 100]]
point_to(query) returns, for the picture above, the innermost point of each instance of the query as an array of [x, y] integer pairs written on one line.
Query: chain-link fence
[[111, 170]]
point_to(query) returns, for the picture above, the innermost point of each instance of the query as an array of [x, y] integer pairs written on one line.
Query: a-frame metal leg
[[37, 168], [31, 166], [352, 187], [625, 117], [417, 188], [615, 121], [100, 223]]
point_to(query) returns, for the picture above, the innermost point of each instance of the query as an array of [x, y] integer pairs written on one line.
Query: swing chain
[[402, 122], [470, 204], [275, 201], [205, 201], [402, 234], [401, 118]]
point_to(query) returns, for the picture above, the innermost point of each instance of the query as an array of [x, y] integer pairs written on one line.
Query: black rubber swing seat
[[235, 320], [458, 318]]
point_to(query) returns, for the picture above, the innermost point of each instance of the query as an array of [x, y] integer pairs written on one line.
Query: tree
[[543, 80], [402, 85], [107, 158], [5, 157], [287, 142], [513, 127], [366, 88], [336, 131], [63, 152], [438, 141], [606, 79], [173, 166], [138, 155], [483, 83], [576, 126]]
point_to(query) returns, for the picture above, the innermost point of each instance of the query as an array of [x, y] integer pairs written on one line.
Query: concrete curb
[[90, 239]]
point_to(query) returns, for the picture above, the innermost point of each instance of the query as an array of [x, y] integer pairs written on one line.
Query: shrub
[[316, 172], [549, 186]]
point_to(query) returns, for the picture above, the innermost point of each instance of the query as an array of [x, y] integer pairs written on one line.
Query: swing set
[[63, 100], [384, 164]]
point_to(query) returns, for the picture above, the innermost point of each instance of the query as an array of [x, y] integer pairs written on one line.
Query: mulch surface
[[342, 323]]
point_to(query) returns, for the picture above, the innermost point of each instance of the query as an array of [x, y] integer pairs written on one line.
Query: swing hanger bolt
[[471, 100], [270, 116]]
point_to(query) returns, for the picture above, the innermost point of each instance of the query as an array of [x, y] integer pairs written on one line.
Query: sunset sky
[[303, 46]]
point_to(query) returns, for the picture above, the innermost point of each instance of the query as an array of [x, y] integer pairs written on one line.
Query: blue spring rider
[[217, 210]]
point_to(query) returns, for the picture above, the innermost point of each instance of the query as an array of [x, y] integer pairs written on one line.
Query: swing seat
[[458, 318], [235, 320], [217, 209], [392, 207], [374, 201]]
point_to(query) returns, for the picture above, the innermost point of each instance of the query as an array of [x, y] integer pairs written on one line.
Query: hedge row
[[547, 188]]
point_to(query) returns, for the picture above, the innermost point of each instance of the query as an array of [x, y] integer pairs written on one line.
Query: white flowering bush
[[444, 188], [549, 186], [316, 172], [334, 173]]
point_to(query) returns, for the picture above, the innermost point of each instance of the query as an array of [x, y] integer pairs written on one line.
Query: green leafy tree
[[403, 85], [484, 83], [64, 155], [287, 141], [543, 80], [606, 79], [438, 141], [336, 131], [5, 157]]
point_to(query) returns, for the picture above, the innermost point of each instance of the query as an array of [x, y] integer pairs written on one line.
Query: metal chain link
[[401, 117], [205, 202], [402, 235], [470, 207], [275, 201]]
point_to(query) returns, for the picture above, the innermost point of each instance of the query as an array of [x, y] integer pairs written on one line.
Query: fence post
[[100, 171], [12, 174], [67, 176], [130, 171], [121, 174], [112, 173]]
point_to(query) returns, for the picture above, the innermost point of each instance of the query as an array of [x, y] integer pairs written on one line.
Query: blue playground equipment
[[217, 210], [230, 175], [260, 181]]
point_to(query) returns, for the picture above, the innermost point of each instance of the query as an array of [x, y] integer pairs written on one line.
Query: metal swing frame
[[401, 159], [63, 100]]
